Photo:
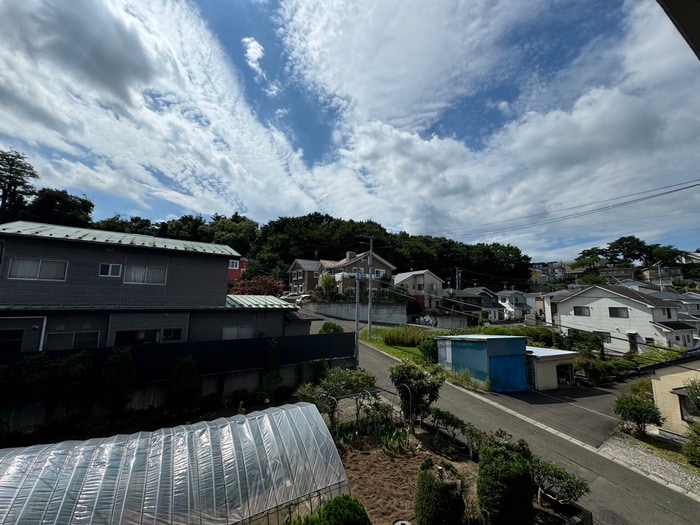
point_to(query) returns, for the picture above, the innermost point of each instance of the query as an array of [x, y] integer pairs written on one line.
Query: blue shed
[[500, 359]]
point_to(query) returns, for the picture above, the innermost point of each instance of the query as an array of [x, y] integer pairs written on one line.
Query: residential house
[[357, 263], [484, 299], [514, 302], [423, 285], [668, 382], [688, 308], [543, 273], [662, 275], [689, 258], [304, 275], [627, 320], [64, 287], [236, 267]]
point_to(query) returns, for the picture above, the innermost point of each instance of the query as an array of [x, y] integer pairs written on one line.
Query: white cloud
[[254, 53], [155, 112]]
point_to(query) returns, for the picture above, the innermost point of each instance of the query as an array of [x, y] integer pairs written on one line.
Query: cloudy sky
[[551, 125]]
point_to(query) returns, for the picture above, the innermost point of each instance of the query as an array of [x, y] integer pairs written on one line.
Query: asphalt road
[[566, 434]]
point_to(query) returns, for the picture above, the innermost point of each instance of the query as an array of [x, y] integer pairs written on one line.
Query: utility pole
[[370, 262], [357, 319]]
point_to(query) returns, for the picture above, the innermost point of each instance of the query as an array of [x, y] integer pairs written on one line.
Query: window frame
[[580, 309], [618, 309], [234, 264], [38, 269], [147, 269], [110, 267]]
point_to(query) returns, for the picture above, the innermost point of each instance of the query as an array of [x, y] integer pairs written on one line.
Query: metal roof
[[548, 353], [258, 302], [69, 233]]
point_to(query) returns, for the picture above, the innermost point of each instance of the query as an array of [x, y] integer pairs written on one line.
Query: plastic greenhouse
[[254, 469]]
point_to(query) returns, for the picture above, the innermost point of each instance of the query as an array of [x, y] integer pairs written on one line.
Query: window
[[171, 334], [11, 340], [110, 270], [379, 273], [582, 310], [233, 264], [632, 338], [689, 412], [420, 287], [604, 335], [616, 311], [144, 275], [648, 341], [38, 269]]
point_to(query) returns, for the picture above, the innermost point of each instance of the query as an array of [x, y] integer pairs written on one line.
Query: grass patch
[[400, 352]]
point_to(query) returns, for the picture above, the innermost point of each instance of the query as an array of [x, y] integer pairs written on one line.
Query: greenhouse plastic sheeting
[[256, 469]]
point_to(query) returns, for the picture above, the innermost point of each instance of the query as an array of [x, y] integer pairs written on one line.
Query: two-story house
[[626, 319], [64, 287], [514, 303], [424, 285], [485, 299], [304, 275], [358, 263], [236, 267]]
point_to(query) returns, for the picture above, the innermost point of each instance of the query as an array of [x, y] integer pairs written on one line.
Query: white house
[[422, 284], [514, 303], [627, 320]]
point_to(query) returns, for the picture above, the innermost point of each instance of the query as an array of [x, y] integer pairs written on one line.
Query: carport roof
[[258, 302]]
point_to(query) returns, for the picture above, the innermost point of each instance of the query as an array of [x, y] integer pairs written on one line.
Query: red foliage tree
[[258, 285]]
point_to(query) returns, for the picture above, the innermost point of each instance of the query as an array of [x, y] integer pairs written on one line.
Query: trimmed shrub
[[556, 482], [439, 496], [504, 486], [344, 510]]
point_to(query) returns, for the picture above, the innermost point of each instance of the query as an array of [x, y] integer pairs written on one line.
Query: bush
[[342, 510], [641, 411], [439, 495], [428, 348], [504, 486], [331, 328], [691, 449], [447, 421], [557, 482]]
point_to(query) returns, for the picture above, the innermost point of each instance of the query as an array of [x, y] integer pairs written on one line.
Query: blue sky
[[482, 121]]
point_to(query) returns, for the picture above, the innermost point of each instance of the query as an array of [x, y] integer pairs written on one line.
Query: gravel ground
[[636, 455]]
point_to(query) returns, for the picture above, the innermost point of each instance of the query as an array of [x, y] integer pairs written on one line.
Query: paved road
[[619, 496]]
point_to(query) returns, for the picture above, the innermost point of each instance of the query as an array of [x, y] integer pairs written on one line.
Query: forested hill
[[318, 236]]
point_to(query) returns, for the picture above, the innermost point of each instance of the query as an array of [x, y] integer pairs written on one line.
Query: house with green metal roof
[[72, 288]]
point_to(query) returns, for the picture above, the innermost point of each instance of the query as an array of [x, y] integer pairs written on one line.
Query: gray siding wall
[[242, 324], [192, 279]]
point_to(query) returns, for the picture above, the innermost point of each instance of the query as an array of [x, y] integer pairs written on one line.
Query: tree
[[325, 291], [418, 387], [629, 249], [665, 255], [116, 223], [16, 175], [259, 285], [335, 384], [331, 328], [55, 206], [640, 411]]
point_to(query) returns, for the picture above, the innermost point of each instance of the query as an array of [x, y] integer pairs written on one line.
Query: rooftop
[[69, 233]]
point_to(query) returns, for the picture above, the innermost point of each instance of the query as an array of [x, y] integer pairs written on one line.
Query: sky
[[554, 126]]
